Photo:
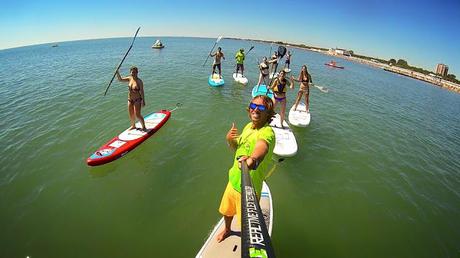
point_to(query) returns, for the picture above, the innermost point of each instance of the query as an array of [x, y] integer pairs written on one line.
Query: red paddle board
[[128, 139]]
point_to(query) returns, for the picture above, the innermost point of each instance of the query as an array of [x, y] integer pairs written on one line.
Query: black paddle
[[218, 39], [251, 48], [178, 105], [281, 53], [118, 67], [255, 240]]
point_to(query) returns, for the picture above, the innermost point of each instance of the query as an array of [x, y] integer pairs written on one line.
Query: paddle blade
[[218, 39], [281, 51]]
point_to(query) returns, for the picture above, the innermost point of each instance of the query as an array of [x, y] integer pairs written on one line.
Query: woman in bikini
[[305, 80], [279, 88], [264, 70], [136, 98]]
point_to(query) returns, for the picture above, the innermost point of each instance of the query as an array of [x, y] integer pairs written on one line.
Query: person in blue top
[[254, 146]]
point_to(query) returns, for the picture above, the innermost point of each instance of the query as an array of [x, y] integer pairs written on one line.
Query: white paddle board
[[286, 145], [231, 246], [300, 117], [240, 78]]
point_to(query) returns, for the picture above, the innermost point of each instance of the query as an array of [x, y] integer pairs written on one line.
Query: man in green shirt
[[240, 61], [255, 147]]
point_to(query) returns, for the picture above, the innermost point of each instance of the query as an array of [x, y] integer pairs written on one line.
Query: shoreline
[[448, 85]]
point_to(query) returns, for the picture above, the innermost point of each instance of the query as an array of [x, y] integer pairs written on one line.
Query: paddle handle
[[122, 60], [209, 53], [254, 234]]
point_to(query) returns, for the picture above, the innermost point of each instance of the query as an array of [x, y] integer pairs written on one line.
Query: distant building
[[340, 51], [442, 69]]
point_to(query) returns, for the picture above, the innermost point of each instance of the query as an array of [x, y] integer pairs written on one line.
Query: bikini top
[[131, 89], [307, 80]]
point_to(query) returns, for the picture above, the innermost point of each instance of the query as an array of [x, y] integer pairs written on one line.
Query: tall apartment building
[[442, 69]]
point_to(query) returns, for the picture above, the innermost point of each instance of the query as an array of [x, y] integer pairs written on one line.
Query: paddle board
[[240, 78], [300, 117], [215, 81], [335, 66], [286, 145], [261, 90], [231, 246], [287, 70], [128, 139]]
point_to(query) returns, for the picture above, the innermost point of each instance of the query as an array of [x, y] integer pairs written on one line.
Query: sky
[[423, 32]]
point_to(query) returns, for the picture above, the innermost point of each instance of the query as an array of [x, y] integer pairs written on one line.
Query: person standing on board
[[279, 88], [288, 60], [264, 70], [305, 80], [274, 61], [255, 146], [240, 61], [136, 98], [217, 56]]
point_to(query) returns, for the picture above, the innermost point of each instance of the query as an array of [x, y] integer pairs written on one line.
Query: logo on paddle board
[[104, 152]]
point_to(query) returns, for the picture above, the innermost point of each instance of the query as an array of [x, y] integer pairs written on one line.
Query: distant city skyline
[[424, 33]]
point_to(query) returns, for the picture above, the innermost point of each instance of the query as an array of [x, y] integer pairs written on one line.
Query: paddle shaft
[[249, 50], [215, 43], [254, 234], [122, 60], [281, 53]]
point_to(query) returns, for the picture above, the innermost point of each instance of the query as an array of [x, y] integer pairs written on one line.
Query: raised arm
[[297, 80], [121, 79]]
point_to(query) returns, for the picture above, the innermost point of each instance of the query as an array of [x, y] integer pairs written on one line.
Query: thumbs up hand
[[232, 136]]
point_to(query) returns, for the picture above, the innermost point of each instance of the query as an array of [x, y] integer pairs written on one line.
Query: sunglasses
[[259, 107]]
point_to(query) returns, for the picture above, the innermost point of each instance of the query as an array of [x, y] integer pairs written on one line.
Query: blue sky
[[424, 32]]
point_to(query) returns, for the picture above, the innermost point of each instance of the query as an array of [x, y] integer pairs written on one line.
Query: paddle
[[251, 48], [118, 67], [281, 53], [218, 39], [321, 88], [178, 105], [255, 240]]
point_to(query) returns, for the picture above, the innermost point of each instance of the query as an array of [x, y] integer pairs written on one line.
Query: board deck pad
[[215, 81], [240, 78], [231, 246]]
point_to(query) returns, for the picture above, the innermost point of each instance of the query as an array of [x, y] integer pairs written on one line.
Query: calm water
[[376, 175]]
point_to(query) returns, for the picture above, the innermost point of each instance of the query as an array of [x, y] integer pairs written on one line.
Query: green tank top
[[239, 57], [245, 146]]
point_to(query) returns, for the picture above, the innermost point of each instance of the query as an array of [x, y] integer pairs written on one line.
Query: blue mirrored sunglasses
[[260, 107]]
